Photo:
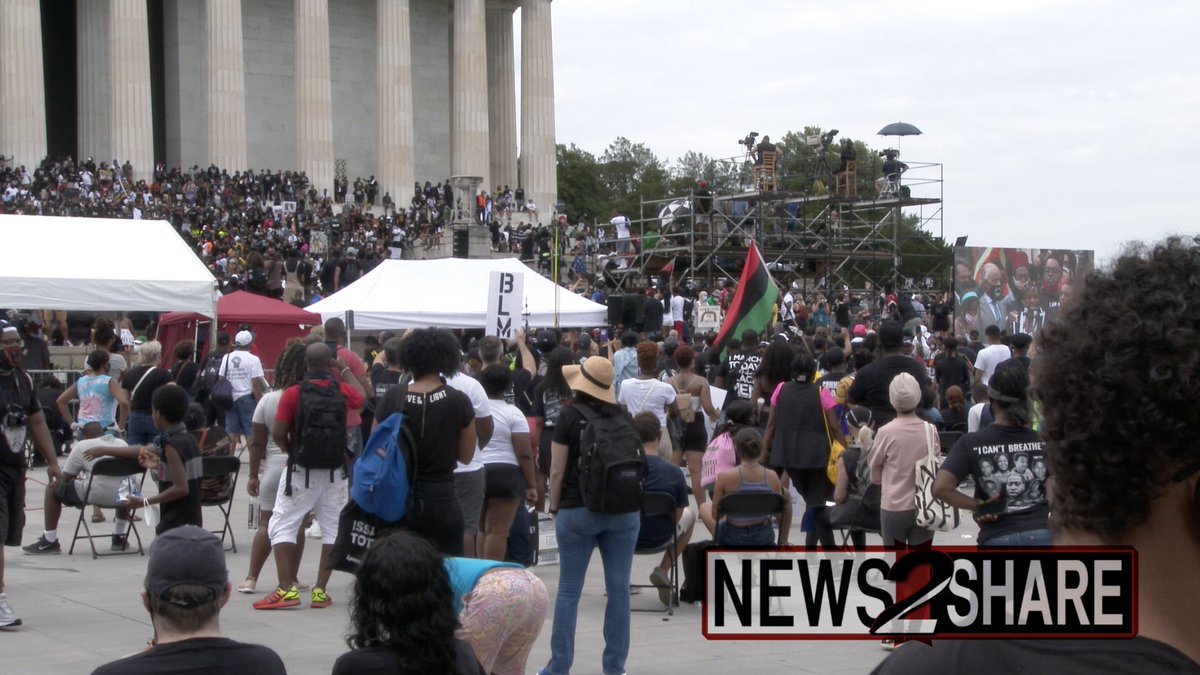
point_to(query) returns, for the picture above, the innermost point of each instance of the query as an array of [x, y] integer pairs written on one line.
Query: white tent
[[449, 293], [100, 264]]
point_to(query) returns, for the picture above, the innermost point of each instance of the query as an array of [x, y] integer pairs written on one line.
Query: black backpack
[[207, 378], [612, 463], [320, 427]]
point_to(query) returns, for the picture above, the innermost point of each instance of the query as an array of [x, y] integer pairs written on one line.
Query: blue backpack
[[384, 473]]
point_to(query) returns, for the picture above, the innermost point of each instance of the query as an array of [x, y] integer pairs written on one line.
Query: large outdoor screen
[[1017, 289]]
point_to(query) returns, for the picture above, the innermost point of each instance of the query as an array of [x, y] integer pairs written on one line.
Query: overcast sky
[[1059, 123]]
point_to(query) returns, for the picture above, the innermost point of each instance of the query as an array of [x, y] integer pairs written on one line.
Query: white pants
[[324, 496]]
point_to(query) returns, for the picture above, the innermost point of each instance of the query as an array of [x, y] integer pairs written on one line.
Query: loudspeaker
[[616, 309], [462, 243]]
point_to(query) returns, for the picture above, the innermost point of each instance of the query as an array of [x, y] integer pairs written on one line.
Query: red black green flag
[[753, 304]]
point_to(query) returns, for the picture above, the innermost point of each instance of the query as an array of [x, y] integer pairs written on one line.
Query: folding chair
[[947, 439], [656, 504], [110, 467], [752, 504], [221, 466]]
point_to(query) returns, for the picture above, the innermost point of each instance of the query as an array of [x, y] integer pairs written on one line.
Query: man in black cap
[[870, 388], [186, 586], [20, 414]]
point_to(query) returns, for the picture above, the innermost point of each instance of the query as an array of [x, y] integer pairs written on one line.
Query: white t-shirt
[[647, 395], [104, 488], [677, 309], [622, 225], [241, 368], [989, 357], [786, 312], [483, 408], [509, 420], [974, 417], [264, 414]]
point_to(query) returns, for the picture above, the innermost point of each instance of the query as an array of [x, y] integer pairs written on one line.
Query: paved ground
[[79, 613]]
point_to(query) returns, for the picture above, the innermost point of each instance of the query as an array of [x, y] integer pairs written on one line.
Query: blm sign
[[506, 293], [951, 592]]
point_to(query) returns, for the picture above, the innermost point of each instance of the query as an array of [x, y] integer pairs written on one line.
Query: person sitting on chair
[[764, 150], [73, 486], [893, 168], [662, 476], [849, 154]]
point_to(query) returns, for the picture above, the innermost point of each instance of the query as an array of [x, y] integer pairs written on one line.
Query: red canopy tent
[[273, 323]]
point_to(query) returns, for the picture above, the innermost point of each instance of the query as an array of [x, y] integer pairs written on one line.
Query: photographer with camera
[[22, 415]]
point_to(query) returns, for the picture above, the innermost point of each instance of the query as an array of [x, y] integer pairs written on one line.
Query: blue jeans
[[238, 418], [140, 430], [1019, 539], [755, 535], [579, 532]]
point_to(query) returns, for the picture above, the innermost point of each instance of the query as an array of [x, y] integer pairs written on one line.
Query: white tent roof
[[100, 264], [449, 293]]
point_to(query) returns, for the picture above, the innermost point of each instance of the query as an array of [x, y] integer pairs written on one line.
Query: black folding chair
[[752, 504], [948, 439], [110, 467], [222, 466], [660, 504]]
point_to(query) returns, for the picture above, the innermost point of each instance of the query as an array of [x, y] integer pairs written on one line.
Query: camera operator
[[22, 415], [764, 149]]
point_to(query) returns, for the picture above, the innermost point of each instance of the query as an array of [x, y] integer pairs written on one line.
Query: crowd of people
[[498, 430]]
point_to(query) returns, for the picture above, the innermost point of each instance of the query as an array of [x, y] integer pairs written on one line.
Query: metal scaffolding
[[867, 235]]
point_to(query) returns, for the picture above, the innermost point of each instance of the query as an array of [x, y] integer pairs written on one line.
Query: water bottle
[[252, 519]]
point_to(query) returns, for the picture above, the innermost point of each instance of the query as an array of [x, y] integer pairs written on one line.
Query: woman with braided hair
[[267, 463]]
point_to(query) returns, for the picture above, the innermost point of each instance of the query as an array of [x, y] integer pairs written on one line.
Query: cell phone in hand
[[333, 348], [992, 507]]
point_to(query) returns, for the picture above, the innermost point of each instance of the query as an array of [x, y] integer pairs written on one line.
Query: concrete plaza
[[79, 613]]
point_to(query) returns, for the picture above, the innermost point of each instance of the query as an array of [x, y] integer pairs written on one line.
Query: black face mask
[[994, 291], [8, 358]]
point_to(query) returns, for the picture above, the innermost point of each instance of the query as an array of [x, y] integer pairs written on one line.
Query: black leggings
[[813, 485]]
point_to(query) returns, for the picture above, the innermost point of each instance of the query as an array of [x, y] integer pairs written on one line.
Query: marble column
[[469, 93], [91, 56], [393, 72], [23, 103], [130, 114], [314, 94], [225, 98], [539, 168], [502, 95]]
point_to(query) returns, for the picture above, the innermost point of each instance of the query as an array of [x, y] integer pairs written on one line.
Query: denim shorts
[[755, 535]]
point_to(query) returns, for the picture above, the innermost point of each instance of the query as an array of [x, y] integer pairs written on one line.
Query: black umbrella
[[899, 129]]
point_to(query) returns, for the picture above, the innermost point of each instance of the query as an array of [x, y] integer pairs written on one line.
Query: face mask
[[994, 291], [9, 357]]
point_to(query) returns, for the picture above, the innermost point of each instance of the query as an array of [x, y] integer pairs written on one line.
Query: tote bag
[[932, 514]]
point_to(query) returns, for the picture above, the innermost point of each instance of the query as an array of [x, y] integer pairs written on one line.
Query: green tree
[[630, 173], [580, 186]]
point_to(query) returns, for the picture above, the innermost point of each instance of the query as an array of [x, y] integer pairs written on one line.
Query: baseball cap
[[243, 338], [860, 330], [186, 555]]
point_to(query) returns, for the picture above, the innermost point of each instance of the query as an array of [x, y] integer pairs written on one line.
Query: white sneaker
[[313, 531], [8, 618]]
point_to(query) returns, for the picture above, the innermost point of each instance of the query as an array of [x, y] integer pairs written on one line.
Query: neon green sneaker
[[320, 599], [279, 599]]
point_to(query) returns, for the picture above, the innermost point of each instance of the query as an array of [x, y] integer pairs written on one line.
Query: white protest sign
[[708, 318], [506, 293]]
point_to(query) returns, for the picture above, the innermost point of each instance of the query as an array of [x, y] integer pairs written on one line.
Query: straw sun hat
[[594, 378]]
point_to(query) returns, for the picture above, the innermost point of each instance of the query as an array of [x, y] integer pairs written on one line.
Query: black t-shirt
[[16, 393], [219, 656], [436, 419], [570, 427], [661, 476], [952, 370], [35, 354], [387, 661], [185, 510], [382, 381], [1007, 461], [185, 373], [1138, 656], [739, 373], [870, 388], [154, 379], [841, 312]]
